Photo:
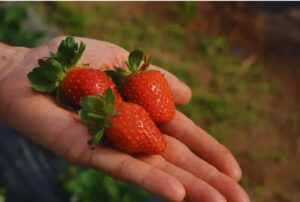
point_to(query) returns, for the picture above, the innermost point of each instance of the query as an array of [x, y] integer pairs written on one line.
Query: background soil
[[271, 32]]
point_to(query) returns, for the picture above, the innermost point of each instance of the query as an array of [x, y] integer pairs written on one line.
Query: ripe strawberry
[[147, 88], [150, 90], [59, 74], [127, 126], [81, 81]]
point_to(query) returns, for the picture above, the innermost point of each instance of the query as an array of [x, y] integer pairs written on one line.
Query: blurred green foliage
[[277, 157], [186, 11], [12, 30], [68, 17], [89, 186], [2, 194]]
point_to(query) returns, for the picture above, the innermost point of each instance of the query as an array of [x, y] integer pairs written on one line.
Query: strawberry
[[127, 126], [80, 82], [59, 74], [147, 88]]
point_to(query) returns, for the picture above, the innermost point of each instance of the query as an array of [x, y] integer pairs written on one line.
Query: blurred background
[[242, 61]]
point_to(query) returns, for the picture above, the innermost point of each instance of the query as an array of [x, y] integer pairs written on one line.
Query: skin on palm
[[190, 167]]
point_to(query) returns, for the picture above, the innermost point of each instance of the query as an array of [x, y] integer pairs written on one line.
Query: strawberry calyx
[[95, 113], [51, 71], [137, 62], [135, 59]]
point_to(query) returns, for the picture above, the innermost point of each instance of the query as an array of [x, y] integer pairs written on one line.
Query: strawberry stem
[[96, 116], [146, 63], [96, 137]]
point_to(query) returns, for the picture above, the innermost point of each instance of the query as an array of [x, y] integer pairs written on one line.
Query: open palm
[[195, 167]]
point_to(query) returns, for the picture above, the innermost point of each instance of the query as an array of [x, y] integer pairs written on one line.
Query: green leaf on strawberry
[[96, 111], [134, 59], [69, 52], [51, 71], [98, 134], [90, 109], [115, 76], [137, 62], [40, 82]]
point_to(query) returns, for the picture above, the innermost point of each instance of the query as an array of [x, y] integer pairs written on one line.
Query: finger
[[232, 191], [129, 169], [196, 189], [202, 144], [182, 93], [179, 155]]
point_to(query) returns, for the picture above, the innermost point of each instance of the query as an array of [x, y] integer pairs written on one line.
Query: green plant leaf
[[91, 104], [68, 52], [52, 69], [122, 72], [39, 82], [96, 111], [109, 96], [58, 68], [108, 99], [134, 59], [47, 70], [47, 76], [117, 78], [78, 53], [108, 123]]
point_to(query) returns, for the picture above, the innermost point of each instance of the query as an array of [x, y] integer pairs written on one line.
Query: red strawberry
[[59, 74], [133, 131], [81, 81], [147, 88], [150, 90], [127, 126]]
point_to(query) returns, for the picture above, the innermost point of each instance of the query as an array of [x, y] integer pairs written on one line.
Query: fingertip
[[229, 188], [236, 173], [182, 93], [204, 192], [165, 185], [219, 198], [178, 192], [223, 158], [232, 169]]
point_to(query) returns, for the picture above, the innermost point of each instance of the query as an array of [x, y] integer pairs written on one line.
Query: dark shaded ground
[[28, 171]]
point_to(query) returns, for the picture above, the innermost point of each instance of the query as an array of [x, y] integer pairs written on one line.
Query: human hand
[[194, 166]]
